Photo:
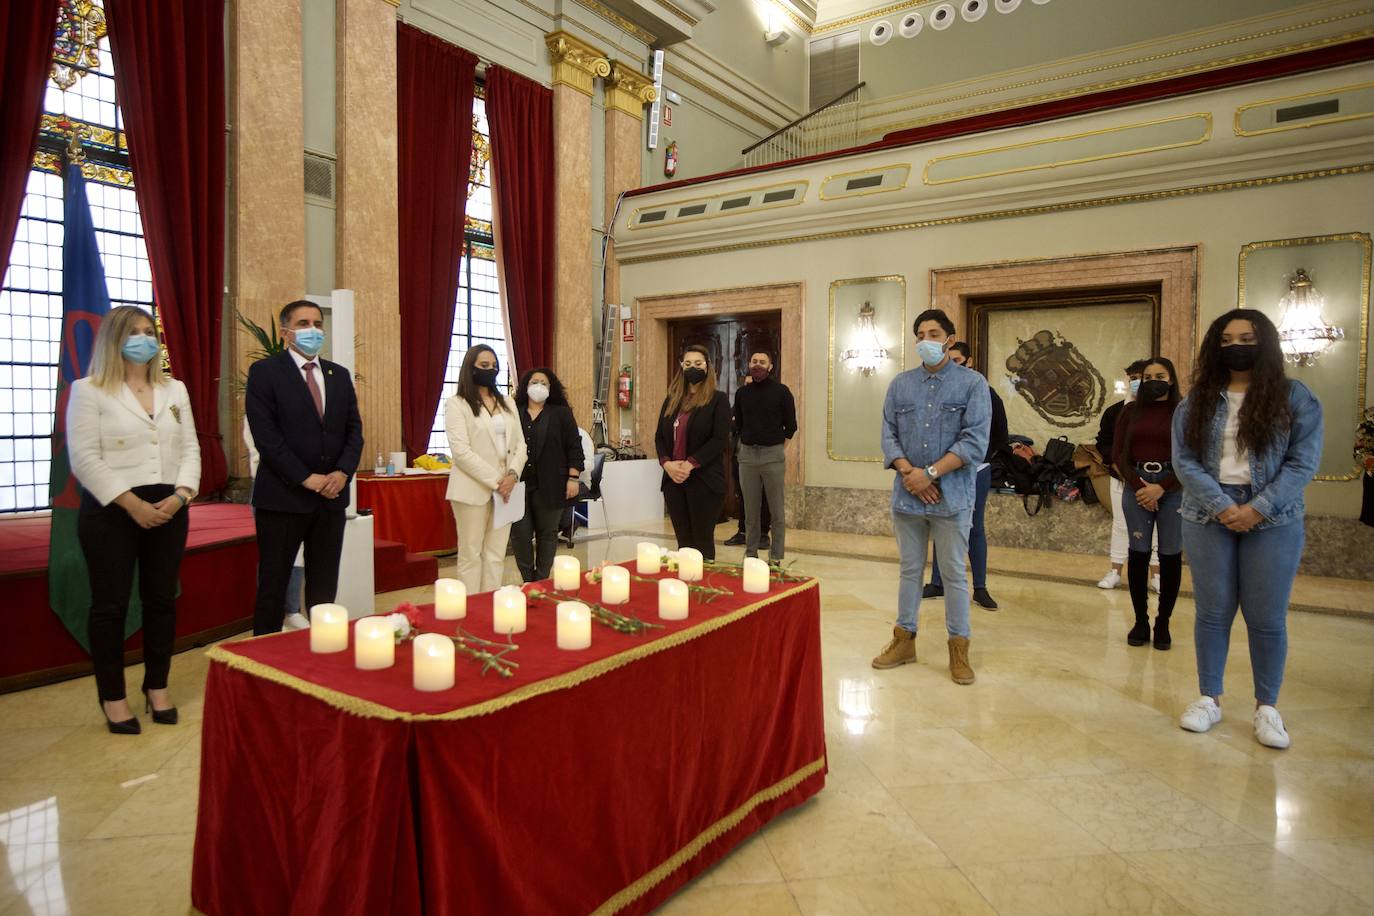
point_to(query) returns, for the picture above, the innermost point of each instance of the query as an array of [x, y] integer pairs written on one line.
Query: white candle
[[450, 599], [615, 585], [433, 662], [508, 610], [755, 575], [328, 628], [374, 644], [574, 625], [567, 573], [672, 599], [689, 564], [647, 558]]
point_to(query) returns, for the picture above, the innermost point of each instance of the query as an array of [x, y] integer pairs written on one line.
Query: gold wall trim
[[1241, 132], [1363, 238], [576, 64], [806, 27], [633, 223], [619, 21], [848, 175], [92, 171], [834, 24], [1206, 135], [830, 372], [628, 90], [1143, 197]]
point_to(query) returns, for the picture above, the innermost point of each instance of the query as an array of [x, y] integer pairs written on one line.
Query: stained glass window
[[80, 99]]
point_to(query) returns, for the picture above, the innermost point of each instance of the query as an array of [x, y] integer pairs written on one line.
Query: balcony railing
[[832, 126]]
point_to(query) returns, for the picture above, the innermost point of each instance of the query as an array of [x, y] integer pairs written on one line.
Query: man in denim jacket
[[936, 421]]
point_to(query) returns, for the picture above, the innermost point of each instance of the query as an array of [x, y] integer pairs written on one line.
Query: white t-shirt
[[498, 432], [1235, 462]]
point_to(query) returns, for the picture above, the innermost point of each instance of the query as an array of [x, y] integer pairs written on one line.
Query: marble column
[[576, 65], [267, 181], [627, 92], [366, 221]]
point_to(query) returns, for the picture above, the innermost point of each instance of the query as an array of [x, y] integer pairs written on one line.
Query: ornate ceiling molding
[[628, 90], [576, 64]]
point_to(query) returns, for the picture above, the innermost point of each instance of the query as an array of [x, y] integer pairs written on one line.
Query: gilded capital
[[575, 63], [628, 90]]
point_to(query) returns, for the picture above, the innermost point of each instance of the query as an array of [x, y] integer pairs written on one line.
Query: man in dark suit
[[303, 414]]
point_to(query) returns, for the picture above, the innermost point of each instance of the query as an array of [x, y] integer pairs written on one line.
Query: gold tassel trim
[[709, 835], [368, 709]]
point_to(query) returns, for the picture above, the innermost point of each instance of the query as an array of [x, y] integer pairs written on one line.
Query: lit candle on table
[[689, 564], [672, 599], [508, 610], [755, 575], [328, 628], [374, 644], [647, 558], [574, 625], [450, 599], [433, 662], [615, 585], [567, 573]]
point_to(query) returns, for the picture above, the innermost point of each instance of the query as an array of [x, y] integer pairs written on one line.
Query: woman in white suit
[[488, 448], [133, 448]]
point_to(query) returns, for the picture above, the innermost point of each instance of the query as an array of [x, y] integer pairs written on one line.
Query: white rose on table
[[400, 625]]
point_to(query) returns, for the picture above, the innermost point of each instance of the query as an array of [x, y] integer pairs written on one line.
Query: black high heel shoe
[[127, 727], [160, 716]]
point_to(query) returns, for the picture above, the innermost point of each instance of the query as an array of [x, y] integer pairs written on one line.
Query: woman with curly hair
[[1247, 441], [552, 471]]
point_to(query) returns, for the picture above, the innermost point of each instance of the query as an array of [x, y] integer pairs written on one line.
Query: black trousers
[[280, 535], [115, 547], [694, 511], [535, 539]]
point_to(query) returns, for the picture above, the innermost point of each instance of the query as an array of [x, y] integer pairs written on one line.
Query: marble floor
[[1059, 783]]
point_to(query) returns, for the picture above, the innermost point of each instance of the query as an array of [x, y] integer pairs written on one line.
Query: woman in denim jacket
[[1246, 442]]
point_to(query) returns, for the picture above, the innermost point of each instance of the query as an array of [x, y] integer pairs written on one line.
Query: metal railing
[[832, 126]]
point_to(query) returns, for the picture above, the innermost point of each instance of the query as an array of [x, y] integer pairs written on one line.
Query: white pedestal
[[356, 583], [631, 495]]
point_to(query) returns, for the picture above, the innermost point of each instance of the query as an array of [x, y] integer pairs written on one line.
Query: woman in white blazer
[[133, 448], [488, 449]]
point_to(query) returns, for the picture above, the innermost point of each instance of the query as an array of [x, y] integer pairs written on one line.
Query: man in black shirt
[[1106, 432], [765, 418]]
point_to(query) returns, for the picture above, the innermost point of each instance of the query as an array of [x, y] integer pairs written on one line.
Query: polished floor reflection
[[1059, 783]]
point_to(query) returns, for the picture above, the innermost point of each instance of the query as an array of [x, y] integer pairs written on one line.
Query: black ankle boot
[[1162, 640], [1140, 633]]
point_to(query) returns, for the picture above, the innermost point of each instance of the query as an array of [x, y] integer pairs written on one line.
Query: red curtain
[[434, 86], [28, 27], [169, 75], [520, 114]]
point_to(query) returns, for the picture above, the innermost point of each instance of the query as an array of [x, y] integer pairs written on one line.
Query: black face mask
[[1152, 390], [694, 375], [485, 377], [1240, 357]]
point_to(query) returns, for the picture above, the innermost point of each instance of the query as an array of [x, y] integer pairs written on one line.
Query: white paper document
[[511, 511]]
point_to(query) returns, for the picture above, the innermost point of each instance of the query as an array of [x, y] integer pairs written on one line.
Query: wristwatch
[[932, 472]]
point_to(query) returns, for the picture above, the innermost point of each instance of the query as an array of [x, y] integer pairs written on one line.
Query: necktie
[[314, 386]]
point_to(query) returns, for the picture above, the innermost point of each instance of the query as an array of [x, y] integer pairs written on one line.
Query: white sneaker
[[1202, 714], [1110, 580], [1269, 729], [297, 621], [1154, 583]]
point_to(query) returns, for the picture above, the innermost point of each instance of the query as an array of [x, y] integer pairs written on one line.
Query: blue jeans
[[1141, 523], [1254, 570], [977, 538], [951, 542], [293, 589]]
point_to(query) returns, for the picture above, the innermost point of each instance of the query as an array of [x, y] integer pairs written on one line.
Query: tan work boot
[[959, 668], [901, 651]]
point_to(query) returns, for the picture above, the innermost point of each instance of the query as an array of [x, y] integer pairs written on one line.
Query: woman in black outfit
[[552, 471], [693, 431]]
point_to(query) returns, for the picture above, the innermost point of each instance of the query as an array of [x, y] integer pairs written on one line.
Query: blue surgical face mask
[[309, 340], [930, 351], [139, 348], [1135, 387]]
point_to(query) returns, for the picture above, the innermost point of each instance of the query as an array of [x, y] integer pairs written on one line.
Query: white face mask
[[538, 393]]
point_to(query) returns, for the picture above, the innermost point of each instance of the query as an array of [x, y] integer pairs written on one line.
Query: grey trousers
[[761, 471]]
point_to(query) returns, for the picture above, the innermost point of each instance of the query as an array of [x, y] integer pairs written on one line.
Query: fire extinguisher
[[670, 160], [624, 386]]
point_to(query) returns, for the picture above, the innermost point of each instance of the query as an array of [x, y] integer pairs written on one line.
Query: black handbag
[[1059, 453]]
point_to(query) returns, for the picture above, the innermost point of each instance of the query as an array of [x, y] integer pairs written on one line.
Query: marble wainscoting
[[1339, 548]]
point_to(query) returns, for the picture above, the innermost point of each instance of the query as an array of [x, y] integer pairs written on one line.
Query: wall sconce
[[1304, 334], [868, 354]]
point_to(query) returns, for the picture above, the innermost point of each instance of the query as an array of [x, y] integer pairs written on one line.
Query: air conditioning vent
[[868, 181], [1310, 110], [653, 216], [773, 197], [319, 176], [693, 210], [735, 203]]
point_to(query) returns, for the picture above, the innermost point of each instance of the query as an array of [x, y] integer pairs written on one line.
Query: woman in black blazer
[[693, 430], [551, 473]]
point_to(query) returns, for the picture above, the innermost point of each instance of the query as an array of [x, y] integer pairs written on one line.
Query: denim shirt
[[927, 414], [1277, 476]]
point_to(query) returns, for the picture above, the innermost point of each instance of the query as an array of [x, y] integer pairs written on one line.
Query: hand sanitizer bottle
[[390, 468], [380, 467]]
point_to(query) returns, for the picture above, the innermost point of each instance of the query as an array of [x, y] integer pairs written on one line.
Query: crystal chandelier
[[1304, 334], [869, 354]]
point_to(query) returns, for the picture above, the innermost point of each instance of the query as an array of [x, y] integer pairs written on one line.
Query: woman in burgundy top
[[693, 429], [1151, 498]]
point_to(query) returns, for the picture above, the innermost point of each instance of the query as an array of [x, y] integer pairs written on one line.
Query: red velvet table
[[411, 509], [592, 781]]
